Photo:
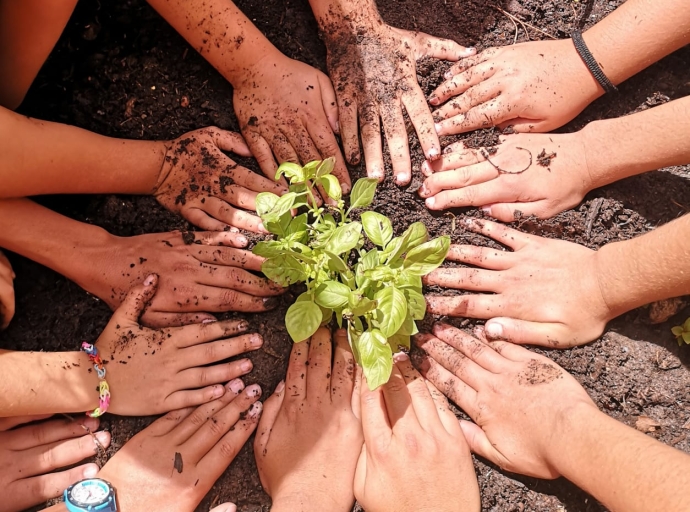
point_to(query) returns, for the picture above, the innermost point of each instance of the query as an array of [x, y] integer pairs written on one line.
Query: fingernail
[[400, 357], [103, 437], [437, 127], [449, 149], [262, 228], [402, 178], [486, 209], [150, 280], [494, 330], [255, 410], [236, 385], [270, 302], [426, 168], [243, 325], [218, 391], [345, 188], [208, 320], [246, 365], [423, 192], [90, 423], [433, 153], [448, 75], [241, 240], [433, 100], [280, 387], [90, 471], [254, 390], [337, 127], [471, 50], [468, 221], [256, 340], [430, 202]]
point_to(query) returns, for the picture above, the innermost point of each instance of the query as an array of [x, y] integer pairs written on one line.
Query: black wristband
[[591, 63]]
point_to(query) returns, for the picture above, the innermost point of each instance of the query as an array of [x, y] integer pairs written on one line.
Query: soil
[[120, 70]]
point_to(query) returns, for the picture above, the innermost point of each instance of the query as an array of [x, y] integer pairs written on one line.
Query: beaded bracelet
[[103, 388]]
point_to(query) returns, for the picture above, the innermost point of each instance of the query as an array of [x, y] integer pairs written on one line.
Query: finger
[[301, 141], [450, 385], [253, 181], [343, 375], [525, 125], [225, 507], [420, 115], [444, 49], [447, 417], [371, 141], [202, 220], [228, 257], [13, 421], [220, 238], [396, 135], [507, 349], [472, 306], [504, 235], [48, 457], [506, 212], [486, 115], [356, 393], [137, 299], [328, 147], [48, 432], [485, 257], [476, 350], [473, 279], [230, 141], [454, 157], [401, 413], [262, 152], [479, 443], [237, 195], [241, 281], [349, 134], [472, 97], [193, 378], [296, 379], [31, 491], [271, 410], [7, 303], [461, 82], [454, 180], [192, 335], [215, 351], [319, 362], [469, 62], [161, 319], [423, 404], [329, 102], [375, 424], [225, 299], [530, 333], [222, 211], [282, 148], [454, 361]]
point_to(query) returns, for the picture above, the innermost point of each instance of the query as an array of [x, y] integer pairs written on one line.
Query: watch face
[[90, 492]]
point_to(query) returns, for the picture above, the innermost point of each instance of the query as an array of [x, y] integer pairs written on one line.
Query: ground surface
[[116, 52]]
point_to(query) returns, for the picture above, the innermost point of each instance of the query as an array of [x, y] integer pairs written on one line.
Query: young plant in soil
[[682, 332], [374, 289]]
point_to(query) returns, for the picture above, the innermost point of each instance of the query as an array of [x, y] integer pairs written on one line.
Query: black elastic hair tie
[[591, 63]]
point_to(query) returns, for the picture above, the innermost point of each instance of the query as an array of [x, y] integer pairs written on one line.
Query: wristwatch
[[90, 495]]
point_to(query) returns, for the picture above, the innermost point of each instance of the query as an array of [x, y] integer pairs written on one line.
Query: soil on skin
[[120, 70]]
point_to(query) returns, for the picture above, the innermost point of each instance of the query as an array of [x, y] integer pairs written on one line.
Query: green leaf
[[417, 235], [399, 342], [281, 207], [348, 278], [268, 249], [332, 294], [293, 172], [360, 305], [367, 262], [298, 224], [311, 169], [302, 320], [280, 226], [332, 187], [392, 310], [345, 238], [363, 193], [416, 304], [377, 227], [409, 327], [353, 335], [326, 167], [424, 258], [677, 331], [265, 201], [407, 280], [686, 337], [376, 357], [284, 269], [335, 262], [380, 274]]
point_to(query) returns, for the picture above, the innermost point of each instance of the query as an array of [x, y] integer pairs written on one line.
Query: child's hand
[[310, 437], [521, 401], [202, 184], [6, 292], [155, 371], [537, 174], [415, 456], [534, 87], [174, 462], [287, 109]]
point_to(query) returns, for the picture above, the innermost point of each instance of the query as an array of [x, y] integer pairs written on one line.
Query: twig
[[592, 215], [99, 447], [523, 23], [485, 154]]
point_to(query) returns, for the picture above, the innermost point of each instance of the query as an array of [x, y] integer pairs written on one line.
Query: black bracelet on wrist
[[591, 63]]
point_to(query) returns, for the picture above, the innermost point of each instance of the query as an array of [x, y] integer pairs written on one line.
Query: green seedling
[[682, 332], [375, 293]]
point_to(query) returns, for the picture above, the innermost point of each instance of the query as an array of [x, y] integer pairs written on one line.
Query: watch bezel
[[81, 504]]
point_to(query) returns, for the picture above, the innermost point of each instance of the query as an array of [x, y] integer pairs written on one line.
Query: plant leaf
[[268, 249], [377, 227], [418, 234], [282, 206], [416, 304], [325, 167], [392, 307], [293, 172], [332, 294], [332, 186], [284, 269], [686, 337], [376, 357], [344, 239], [399, 342], [265, 201], [409, 327], [302, 320], [677, 331], [363, 193], [426, 257]]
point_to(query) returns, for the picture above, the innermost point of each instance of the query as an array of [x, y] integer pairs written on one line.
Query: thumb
[[137, 299], [225, 507], [231, 142], [522, 332], [479, 443], [445, 49], [330, 105]]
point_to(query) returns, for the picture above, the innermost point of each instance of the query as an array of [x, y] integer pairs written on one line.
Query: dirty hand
[[199, 271], [6, 292], [533, 87], [30, 454], [415, 456], [174, 462], [287, 108], [535, 174], [543, 292], [373, 68], [206, 187], [310, 431], [155, 371], [521, 402]]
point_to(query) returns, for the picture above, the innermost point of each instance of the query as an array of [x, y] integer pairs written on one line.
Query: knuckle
[[216, 427], [228, 449], [197, 418], [229, 298]]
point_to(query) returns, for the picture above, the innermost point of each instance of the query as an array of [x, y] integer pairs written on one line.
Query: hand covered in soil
[[373, 68], [415, 456], [199, 271], [6, 292], [155, 371], [310, 431], [30, 454], [533, 87], [543, 292], [287, 109], [174, 462], [540, 175], [206, 187], [521, 402]]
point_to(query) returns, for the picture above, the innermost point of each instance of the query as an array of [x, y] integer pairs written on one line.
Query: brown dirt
[[102, 77]]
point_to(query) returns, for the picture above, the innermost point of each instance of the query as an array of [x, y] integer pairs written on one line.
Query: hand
[[199, 271], [288, 108], [545, 292], [533, 87], [415, 457], [374, 73], [174, 462], [6, 292], [313, 434], [30, 454], [155, 371], [521, 402], [540, 175], [200, 183]]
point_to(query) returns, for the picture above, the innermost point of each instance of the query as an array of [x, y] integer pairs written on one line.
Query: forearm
[[643, 142], [648, 268], [46, 383], [637, 34], [220, 32], [622, 468]]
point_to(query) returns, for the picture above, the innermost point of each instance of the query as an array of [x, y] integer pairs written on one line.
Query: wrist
[[573, 430], [309, 501], [247, 70], [615, 285]]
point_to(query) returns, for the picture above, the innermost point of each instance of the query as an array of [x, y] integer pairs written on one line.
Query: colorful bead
[[103, 388]]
